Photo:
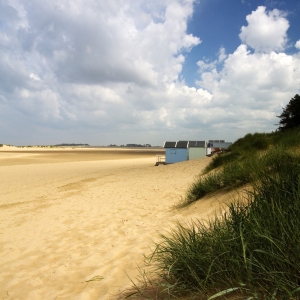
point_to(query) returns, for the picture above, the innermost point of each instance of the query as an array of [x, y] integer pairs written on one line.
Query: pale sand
[[66, 218]]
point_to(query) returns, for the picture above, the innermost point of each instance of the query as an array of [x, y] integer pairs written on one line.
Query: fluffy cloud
[[87, 71], [266, 31], [92, 43], [91, 62]]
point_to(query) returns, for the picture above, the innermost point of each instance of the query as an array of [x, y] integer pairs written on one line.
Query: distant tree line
[[67, 145], [138, 145], [130, 145]]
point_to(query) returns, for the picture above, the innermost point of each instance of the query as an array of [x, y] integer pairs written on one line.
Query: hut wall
[[196, 152], [174, 155]]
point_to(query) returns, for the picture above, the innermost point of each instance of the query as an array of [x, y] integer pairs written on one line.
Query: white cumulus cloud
[[266, 30], [110, 72]]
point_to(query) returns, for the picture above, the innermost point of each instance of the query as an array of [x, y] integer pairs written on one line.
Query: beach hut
[[176, 151], [219, 144], [197, 149]]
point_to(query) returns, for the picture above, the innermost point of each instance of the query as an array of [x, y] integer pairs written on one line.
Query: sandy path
[[64, 223]]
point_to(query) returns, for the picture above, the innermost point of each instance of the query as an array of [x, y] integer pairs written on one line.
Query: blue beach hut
[[176, 151]]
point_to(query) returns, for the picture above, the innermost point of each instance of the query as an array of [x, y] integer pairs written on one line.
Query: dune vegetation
[[252, 250], [247, 158]]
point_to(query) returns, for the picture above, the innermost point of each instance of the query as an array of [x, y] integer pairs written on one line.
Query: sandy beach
[[68, 215]]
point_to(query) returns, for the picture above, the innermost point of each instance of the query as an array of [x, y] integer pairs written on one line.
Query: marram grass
[[253, 250]]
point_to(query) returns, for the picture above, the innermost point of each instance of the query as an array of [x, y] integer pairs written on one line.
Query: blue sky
[[218, 24], [127, 71]]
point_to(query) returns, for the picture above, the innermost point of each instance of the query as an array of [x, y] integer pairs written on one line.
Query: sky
[[126, 71]]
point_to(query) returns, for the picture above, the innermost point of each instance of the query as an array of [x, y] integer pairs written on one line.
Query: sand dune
[[67, 217]]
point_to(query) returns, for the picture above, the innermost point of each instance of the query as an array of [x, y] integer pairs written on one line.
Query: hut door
[[173, 151]]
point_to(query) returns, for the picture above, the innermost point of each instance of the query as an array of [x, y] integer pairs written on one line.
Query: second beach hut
[[197, 149]]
